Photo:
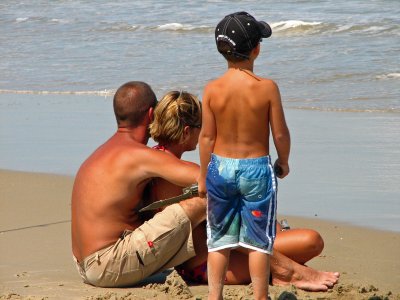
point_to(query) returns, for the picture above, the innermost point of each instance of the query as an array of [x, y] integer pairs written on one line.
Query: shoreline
[[339, 170], [36, 259], [311, 218]]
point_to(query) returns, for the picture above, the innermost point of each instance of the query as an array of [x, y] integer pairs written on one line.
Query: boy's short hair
[[239, 33], [131, 103]]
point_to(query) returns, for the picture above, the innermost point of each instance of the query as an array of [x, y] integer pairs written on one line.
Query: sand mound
[[174, 286]]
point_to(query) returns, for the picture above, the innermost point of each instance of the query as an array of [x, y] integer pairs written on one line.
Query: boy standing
[[239, 108]]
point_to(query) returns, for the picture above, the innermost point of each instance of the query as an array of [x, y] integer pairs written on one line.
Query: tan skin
[[241, 107], [124, 164], [242, 135], [109, 187], [297, 244], [292, 247]]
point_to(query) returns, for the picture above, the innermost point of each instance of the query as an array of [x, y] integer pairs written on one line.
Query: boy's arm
[[206, 141], [280, 131]]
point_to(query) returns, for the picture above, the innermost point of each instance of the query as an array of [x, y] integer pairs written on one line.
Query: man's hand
[[281, 170]]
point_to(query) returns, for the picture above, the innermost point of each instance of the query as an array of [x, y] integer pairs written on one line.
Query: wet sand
[[36, 260]]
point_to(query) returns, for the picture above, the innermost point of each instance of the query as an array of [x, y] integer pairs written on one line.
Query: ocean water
[[336, 63]]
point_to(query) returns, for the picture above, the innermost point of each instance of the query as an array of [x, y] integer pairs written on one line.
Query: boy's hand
[[281, 170], [202, 187]]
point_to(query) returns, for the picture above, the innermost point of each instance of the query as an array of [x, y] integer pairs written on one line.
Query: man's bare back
[[105, 195], [108, 190]]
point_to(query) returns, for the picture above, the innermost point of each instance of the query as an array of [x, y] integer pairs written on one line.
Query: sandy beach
[[36, 261]]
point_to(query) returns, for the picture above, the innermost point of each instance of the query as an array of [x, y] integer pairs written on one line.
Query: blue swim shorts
[[241, 209]]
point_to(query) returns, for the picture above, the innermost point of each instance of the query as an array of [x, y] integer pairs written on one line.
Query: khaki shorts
[[160, 243]]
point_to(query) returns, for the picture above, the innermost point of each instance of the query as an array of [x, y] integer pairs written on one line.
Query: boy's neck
[[244, 65]]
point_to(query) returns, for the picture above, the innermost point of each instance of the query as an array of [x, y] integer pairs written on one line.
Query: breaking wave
[[389, 76], [183, 27], [285, 27], [297, 26]]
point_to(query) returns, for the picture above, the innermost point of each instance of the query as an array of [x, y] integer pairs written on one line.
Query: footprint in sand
[[22, 274]]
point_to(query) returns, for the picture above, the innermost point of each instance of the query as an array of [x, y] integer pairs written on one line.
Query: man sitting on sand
[[111, 243]]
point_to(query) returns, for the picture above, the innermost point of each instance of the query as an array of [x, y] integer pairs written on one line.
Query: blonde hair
[[173, 112]]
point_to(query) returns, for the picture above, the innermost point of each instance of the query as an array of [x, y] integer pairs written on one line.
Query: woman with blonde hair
[[177, 123]]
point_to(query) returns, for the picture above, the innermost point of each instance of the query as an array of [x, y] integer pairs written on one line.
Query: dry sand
[[36, 261]]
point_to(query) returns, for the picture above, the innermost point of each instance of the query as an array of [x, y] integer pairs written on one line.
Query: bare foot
[[286, 271]]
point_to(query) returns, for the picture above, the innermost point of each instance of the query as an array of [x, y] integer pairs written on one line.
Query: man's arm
[[206, 140], [156, 163], [280, 131]]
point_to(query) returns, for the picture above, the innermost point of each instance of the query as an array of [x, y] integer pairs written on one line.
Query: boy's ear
[[256, 50]]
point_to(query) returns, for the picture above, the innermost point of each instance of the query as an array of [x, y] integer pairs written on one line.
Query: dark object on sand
[[287, 296]]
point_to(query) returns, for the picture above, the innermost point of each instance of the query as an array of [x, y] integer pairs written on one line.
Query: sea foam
[[182, 27], [293, 24], [18, 20], [389, 76]]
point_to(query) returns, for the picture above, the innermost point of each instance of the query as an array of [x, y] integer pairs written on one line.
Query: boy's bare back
[[243, 105], [240, 108]]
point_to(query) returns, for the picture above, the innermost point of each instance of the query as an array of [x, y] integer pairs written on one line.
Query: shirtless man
[[111, 243]]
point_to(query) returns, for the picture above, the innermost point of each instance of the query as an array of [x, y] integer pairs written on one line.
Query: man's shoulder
[[115, 150]]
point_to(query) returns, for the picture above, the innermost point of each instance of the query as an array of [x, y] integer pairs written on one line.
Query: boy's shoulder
[[264, 84], [212, 84], [225, 78], [255, 84], [262, 80]]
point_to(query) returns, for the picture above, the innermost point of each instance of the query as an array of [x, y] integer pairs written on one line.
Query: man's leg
[[200, 246], [195, 209]]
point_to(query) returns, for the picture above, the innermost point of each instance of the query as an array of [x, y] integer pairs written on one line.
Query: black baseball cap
[[242, 32]]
